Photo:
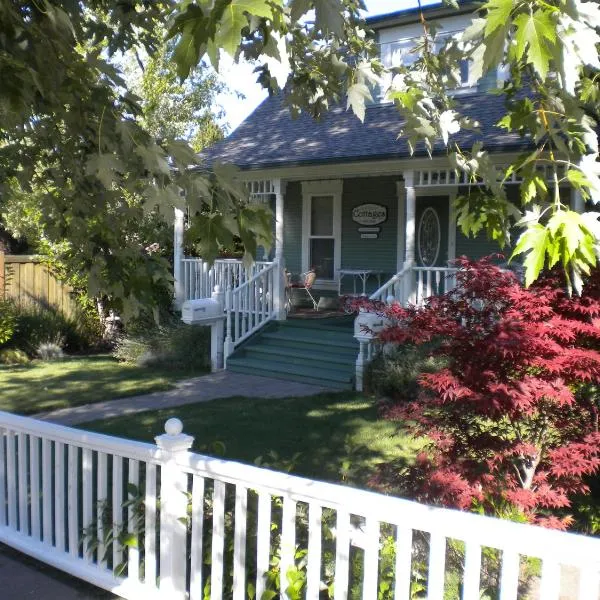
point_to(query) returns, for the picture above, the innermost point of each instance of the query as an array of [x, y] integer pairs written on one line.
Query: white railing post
[[360, 366], [173, 510], [279, 291], [216, 332], [178, 278], [229, 345]]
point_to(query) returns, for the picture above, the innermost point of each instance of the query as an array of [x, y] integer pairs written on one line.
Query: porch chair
[[306, 284]]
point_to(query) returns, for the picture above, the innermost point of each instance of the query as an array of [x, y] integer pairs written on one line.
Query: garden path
[[222, 384]]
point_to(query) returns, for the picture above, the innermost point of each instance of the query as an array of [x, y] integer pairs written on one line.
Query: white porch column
[[178, 258], [411, 210], [279, 278], [279, 187], [409, 236], [401, 238]]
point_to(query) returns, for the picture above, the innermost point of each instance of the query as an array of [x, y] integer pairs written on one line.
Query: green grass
[[338, 436], [42, 386]]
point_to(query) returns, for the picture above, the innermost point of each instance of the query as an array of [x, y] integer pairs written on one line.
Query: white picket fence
[[209, 527]]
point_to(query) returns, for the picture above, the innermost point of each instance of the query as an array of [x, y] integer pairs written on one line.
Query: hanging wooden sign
[[369, 214]]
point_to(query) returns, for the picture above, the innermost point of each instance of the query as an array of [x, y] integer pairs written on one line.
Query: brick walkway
[[222, 384]]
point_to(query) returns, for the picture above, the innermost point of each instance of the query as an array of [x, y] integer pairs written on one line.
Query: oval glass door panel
[[429, 237]]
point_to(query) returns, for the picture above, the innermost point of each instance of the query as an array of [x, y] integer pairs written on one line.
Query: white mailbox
[[368, 320], [201, 312]]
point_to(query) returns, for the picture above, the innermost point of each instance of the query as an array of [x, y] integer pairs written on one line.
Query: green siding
[[377, 254], [292, 227], [477, 247], [481, 246]]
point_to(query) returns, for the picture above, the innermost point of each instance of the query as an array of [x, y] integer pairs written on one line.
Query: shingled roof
[[269, 137]]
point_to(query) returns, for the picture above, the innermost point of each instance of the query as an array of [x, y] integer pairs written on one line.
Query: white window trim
[[330, 187]]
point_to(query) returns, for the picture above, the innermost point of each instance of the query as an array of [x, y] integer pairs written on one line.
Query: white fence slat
[[588, 582], [371, 565], [288, 542], [342, 555], [72, 504], [437, 567], [239, 543], [263, 541], [313, 569], [34, 482], [87, 508], [47, 491], [59, 496], [117, 509], [196, 591], [23, 483], [133, 553], [550, 580], [101, 504], [472, 575], [2, 478], [509, 576], [150, 526], [403, 563], [218, 541]]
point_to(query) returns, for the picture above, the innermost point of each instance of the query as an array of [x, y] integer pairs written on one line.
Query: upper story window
[[400, 52]]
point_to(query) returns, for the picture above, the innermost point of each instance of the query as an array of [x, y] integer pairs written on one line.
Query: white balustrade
[[200, 277], [252, 305], [224, 526], [414, 285]]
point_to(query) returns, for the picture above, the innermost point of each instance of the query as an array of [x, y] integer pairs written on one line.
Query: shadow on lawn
[[338, 436], [44, 386]]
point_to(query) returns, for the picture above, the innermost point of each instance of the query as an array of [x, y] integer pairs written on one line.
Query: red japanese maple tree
[[512, 424]]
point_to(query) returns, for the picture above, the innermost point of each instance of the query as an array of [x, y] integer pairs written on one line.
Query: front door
[[431, 239]]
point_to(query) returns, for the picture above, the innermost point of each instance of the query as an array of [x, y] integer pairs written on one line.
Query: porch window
[[321, 236]]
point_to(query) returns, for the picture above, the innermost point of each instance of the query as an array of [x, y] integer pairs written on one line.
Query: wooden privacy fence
[[27, 280], [160, 522]]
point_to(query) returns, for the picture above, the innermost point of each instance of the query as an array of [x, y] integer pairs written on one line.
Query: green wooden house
[[353, 204]]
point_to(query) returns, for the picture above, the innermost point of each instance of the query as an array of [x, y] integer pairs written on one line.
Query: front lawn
[[42, 386], [338, 436]]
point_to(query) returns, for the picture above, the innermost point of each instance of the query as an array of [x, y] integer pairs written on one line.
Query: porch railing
[[413, 285], [160, 522], [200, 277], [251, 305]]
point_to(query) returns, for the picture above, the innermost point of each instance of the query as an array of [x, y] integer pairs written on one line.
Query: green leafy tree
[[547, 47], [172, 108], [73, 134]]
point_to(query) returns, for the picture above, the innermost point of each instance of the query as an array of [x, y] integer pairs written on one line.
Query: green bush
[[13, 357], [173, 346], [395, 374], [8, 321], [36, 326]]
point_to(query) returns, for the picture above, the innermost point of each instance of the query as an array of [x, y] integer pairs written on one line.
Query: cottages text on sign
[[369, 214]]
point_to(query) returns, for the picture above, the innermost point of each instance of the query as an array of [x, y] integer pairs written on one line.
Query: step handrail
[[250, 306], [398, 277]]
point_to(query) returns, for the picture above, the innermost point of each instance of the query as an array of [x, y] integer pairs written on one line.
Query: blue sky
[[240, 79]]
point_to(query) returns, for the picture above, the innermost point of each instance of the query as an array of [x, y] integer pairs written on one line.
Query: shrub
[[396, 374], [50, 351], [13, 357], [174, 346], [8, 321], [513, 428], [37, 325]]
